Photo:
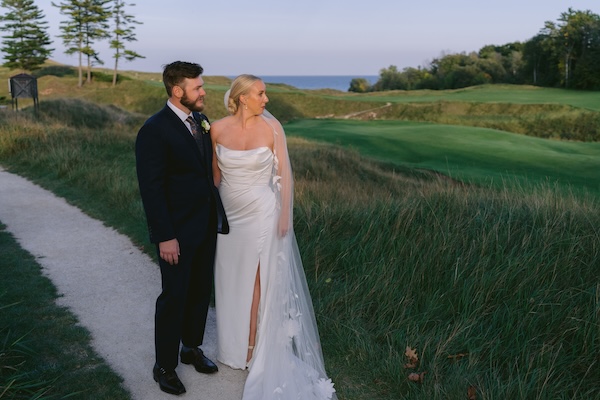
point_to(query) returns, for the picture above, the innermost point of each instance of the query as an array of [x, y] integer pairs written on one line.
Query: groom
[[183, 211]]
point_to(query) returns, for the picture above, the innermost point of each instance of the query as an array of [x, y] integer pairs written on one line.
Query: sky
[[317, 37]]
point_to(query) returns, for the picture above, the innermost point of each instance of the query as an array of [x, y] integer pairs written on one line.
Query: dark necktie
[[196, 134]]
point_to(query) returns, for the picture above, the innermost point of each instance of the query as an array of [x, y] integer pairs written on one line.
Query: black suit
[[181, 202]]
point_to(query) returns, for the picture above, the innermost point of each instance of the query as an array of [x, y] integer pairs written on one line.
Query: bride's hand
[[284, 226]]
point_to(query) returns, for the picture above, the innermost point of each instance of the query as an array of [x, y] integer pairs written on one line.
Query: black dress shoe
[[168, 380], [201, 363]]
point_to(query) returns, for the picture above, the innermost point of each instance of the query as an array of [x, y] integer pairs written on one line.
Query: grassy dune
[[495, 286], [533, 111], [477, 155]]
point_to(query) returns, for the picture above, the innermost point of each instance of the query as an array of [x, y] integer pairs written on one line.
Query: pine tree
[[26, 45], [123, 32], [97, 27], [88, 22]]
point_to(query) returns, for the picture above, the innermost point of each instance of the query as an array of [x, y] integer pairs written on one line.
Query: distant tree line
[[563, 54], [26, 42]]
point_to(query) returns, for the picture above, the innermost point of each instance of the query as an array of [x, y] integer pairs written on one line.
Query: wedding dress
[[287, 362]]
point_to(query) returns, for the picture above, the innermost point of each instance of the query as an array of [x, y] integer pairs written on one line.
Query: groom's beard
[[193, 105]]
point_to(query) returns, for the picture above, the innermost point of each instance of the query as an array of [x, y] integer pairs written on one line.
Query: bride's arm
[[214, 132]]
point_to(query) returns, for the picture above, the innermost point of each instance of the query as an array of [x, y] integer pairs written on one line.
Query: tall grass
[[496, 289], [510, 280], [79, 162]]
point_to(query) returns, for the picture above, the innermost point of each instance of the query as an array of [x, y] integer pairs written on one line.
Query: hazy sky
[[318, 37]]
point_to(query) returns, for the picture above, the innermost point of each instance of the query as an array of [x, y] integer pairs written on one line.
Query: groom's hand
[[169, 251]]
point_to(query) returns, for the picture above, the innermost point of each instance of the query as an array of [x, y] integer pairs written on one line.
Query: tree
[[587, 75], [492, 65], [390, 79], [584, 67], [539, 66], [451, 70], [359, 85], [572, 37], [514, 64], [96, 27], [86, 23], [502, 63], [564, 53], [123, 32], [26, 45], [414, 77], [465, 76]]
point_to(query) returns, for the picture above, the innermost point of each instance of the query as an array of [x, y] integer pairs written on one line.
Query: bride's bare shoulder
[[222, 123]]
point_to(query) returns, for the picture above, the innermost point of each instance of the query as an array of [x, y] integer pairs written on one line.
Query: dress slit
[[256, 278]]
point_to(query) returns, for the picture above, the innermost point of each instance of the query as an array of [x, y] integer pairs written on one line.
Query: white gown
[[250, 206], [287, 361]]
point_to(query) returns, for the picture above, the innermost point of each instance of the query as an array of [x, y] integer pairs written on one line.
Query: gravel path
[[109, 284]]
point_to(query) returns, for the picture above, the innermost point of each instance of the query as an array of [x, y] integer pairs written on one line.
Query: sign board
[[23, 86]]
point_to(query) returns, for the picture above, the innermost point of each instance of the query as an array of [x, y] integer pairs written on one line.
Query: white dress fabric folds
[[257, 190]]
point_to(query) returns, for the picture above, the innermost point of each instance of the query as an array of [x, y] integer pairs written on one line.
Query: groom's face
[[193, 94]]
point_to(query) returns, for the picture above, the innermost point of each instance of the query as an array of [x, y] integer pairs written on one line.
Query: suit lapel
[[206, 154], [181, 127], [184, 132]]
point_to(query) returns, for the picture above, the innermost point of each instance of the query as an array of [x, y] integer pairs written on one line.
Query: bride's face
[[257, 99]]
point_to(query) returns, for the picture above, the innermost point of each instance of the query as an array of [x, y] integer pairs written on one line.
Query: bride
[[265, 318]]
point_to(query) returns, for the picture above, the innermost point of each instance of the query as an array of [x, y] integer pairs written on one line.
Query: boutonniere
[[205, 126]]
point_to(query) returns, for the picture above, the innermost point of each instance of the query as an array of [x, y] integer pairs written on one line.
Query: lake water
[[338, 82]]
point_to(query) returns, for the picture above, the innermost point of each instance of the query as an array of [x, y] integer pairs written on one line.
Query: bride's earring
[[245, 106]]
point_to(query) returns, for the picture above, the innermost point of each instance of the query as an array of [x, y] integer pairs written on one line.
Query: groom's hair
[[176, 72]]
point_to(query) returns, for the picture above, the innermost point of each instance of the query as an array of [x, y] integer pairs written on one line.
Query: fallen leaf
[[414, 377], [472, 393], [412, 355]]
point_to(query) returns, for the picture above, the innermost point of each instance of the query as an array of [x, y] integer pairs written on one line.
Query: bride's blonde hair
[[240, 86]]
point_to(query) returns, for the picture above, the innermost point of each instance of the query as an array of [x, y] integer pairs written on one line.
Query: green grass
[[85, 159], [528, 110], [503, 271], [477, 155], [513, 94], [44, 353], [394, 257], [454, 271]]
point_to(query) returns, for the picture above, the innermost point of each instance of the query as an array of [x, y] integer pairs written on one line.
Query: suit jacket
[[175, 180]]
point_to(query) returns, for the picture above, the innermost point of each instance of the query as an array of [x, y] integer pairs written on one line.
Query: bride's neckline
[[256, 148]]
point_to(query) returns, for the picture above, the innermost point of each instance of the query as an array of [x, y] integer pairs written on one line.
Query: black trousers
[[182, 307]]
